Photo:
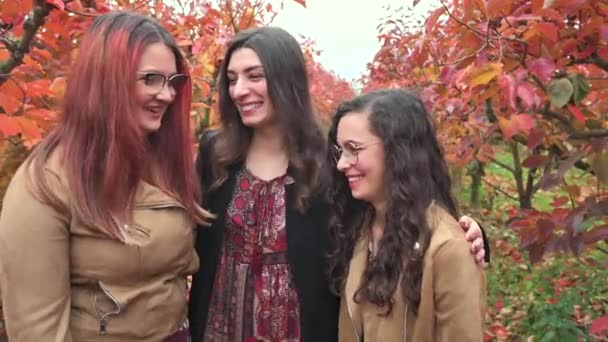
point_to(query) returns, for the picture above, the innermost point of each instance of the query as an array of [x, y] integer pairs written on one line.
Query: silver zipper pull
[[103, 330]]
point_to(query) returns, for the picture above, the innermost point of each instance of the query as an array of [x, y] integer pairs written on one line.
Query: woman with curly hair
[[263, 274], [399, 259]]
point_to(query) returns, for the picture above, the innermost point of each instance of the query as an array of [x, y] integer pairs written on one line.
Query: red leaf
[[526, 93], [599, 325], [567, 5], [499, 7], [559, 201], [57, 3], [521, 123], [9, 126], [577, 113], [596, 234], [430, 22], [542, 67], [548, 31], [507, 85], [535, 138], [535, 161], [301, 2], [447, 75], [604, 33]]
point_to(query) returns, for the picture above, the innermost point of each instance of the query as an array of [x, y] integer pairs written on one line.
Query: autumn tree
[[527, 78]]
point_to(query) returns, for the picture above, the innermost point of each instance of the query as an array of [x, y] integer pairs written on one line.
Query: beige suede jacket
[[62, 281], [452, 300]]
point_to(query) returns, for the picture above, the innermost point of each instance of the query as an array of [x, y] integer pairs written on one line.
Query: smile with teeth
[[153, 110], [352, 179], [251, 106]]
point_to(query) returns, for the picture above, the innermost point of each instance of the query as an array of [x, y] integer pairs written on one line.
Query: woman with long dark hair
[[398, 257], [263, 273], [97, 226]]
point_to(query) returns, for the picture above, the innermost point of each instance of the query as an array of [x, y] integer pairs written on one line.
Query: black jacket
[[307, 238]]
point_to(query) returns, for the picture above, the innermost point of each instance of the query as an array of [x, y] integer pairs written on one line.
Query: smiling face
[[362, 158], [152, 93], [247, 88]]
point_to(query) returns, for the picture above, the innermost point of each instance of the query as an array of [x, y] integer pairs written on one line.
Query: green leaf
[[581, 87], [549, 336], [560, 91]]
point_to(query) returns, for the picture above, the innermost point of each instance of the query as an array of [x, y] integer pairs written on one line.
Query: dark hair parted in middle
[[287, 81], [416, 175]]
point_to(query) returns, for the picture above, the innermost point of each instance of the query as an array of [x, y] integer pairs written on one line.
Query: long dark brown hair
[[416, 175], [104, 152], [287, 81]]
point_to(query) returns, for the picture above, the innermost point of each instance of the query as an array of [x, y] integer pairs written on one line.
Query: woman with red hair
[[97, 226]]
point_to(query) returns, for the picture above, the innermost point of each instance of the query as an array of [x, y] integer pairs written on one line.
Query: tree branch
[[503, 165], [564, 120], [34, 20], [592, 133], [594, 59], [506, 194], [10, 45]]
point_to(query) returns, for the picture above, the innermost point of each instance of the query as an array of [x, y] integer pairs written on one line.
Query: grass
[[554, 300]]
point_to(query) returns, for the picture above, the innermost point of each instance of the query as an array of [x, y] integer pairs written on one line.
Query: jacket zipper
[[352, 321], [103, 317], [159, 205], [405, 324]]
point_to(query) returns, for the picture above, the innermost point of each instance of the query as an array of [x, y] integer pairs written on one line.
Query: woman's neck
[[267, 157]]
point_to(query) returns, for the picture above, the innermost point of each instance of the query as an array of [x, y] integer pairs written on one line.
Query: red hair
[[104, 152]]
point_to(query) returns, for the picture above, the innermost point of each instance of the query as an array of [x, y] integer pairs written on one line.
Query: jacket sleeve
[[460, 290], [34, 266]]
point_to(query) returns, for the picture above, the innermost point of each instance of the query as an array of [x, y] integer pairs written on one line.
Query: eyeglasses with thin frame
[[155, 82], [350, 152]]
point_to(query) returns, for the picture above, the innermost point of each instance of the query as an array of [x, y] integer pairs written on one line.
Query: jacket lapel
[[353, 281]]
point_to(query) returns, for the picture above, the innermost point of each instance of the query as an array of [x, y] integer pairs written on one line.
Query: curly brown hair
[[416, 175]]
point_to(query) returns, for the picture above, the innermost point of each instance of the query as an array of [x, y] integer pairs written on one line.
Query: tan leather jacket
[[452, 299], [62, 281]]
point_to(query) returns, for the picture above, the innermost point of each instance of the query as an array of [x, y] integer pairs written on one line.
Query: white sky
[[344, 30]]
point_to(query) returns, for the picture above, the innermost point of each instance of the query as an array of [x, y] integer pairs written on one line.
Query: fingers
[[478, 251], [207, 216], [465, 222], [473, 231]]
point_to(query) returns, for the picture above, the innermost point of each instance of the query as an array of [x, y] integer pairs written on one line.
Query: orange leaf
[[39, 88], [40, 114], [9, 126], [485, 74], [548, 31], [432, 19], [58, 86], [31, 132], [10, 104], [520, 123], [499, 7]]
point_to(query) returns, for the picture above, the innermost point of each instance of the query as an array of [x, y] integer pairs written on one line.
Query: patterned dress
[[254, 296]]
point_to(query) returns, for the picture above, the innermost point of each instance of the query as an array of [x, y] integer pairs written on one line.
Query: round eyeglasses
[[350, 152], [155, 82]]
